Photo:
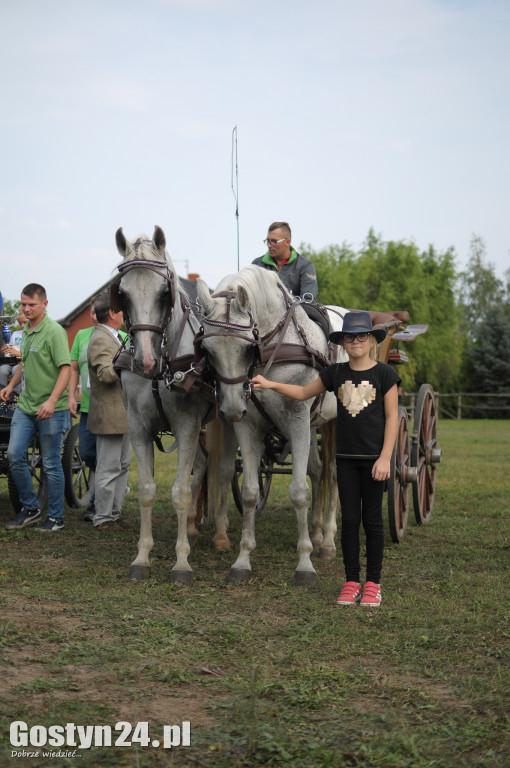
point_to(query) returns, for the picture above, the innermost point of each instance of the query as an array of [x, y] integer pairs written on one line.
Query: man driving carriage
[[295, 271]]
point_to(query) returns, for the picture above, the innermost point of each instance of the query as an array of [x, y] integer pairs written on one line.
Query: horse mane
[[262, 287], [142, 248]]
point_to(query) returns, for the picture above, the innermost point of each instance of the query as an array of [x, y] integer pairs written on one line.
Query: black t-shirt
[[360, 407]]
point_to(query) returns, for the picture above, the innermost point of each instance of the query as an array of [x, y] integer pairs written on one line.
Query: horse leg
[[314, 472], [140, 567], [226, 470], [199, 471], [182, 501], [305, 574], [251, 451], [327, 550]]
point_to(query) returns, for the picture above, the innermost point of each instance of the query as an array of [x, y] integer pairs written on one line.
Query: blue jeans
[[51, 434], [87, 442]]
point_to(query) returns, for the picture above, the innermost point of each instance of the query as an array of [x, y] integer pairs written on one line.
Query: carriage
[[179, 353]]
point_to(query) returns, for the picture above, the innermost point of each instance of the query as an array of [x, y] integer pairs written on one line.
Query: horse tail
[[327, 445], [214, 442]]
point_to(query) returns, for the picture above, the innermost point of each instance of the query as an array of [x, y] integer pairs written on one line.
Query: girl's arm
[[381, 468], [290, 390]]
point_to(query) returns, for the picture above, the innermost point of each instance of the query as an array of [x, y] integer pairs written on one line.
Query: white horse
[[252, 317], [162, 330]]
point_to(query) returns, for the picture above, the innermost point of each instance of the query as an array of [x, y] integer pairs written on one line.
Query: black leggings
[[360, 500]]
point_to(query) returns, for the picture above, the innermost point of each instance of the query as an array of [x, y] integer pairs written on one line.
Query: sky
[[384, 114]]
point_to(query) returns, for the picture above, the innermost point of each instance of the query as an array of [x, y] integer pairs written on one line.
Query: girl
[[367, 423]]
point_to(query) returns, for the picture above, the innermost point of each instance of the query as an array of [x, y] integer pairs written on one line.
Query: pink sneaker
[[350, 594], [371, 595]]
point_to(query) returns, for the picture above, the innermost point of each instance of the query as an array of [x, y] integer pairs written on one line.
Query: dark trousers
[[87, 442], [360, 501]]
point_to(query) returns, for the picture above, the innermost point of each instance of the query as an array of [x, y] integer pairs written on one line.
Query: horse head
[[145, 291], [230, 340]]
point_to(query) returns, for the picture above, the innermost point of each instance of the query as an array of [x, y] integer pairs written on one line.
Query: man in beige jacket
[[107, 416]]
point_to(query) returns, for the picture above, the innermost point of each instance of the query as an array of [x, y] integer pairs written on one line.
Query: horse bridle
[[173, 369], [277, 352], [115, 295], [224, 328]]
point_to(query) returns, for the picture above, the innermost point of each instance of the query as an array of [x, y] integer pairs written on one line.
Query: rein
[[177, 373], [265, 354], [228, 326]]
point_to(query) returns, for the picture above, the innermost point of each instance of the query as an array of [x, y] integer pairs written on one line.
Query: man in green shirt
[[42, 407]]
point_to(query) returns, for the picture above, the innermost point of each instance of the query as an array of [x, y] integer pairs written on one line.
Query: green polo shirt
[[43, 350]]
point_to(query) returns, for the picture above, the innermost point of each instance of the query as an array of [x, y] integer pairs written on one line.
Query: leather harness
[[266, 354], [177, 373]]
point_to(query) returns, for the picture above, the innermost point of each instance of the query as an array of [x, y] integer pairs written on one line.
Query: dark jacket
[[297, 274]]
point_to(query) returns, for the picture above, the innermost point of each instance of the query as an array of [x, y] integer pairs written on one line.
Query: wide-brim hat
[[358, 322]]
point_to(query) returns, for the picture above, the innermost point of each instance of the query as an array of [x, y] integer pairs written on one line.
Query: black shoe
[[50, 524], [25, 518]]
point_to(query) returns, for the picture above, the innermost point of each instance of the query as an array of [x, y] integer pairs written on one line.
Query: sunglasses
[[350, 337]]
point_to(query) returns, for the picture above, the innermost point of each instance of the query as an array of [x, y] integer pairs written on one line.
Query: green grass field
[[266, 673]]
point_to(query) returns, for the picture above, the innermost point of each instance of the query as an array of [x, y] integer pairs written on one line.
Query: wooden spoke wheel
[[39, 479], [425, 455], [265, 478], [79, 479], [398, 483]]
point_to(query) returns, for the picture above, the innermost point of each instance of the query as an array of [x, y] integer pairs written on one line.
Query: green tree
[[479, 287], [10, 309], [484, 305], [488, 359], [394, 275]]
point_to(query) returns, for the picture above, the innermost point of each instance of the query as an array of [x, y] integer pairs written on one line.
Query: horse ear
[[243, 300], [204, 295], [123, 246], [158, 240]]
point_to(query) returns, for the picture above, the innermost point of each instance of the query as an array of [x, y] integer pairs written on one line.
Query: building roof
[[189, 286]]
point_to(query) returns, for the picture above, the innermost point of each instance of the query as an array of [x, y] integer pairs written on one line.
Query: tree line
[[467, 345]]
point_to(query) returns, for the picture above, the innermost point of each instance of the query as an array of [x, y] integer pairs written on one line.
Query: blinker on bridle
[[115, 298], [228, 326]]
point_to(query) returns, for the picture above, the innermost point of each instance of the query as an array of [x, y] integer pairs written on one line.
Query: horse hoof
[[221, 545], [192, 539], [327, 553], [139, 572], [181, 577], [238, 575], [304, 578]]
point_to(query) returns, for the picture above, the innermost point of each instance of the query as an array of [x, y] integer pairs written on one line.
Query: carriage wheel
[[265, 477], [39, 479], [398, 483], [425, 455], [79, 479]]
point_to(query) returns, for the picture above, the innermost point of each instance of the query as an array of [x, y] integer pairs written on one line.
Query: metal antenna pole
[[236, 190]]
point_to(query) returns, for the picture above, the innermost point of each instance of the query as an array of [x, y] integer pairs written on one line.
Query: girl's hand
[[381, 469], [259, 382]]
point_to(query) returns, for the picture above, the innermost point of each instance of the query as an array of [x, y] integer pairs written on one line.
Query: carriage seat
[[383, 318]]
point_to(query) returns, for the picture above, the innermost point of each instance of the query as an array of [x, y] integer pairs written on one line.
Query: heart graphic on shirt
[[355, 397]]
